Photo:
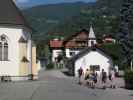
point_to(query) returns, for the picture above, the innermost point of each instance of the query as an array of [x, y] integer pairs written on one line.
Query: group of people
[[91, 78]]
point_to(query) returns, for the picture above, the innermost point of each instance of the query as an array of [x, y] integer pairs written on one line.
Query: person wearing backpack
[[103, 78]]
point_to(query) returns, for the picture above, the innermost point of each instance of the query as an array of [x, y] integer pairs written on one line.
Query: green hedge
[[128, 79], [50, 66]]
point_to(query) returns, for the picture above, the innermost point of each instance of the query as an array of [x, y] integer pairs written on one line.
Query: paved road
[[53, 85]]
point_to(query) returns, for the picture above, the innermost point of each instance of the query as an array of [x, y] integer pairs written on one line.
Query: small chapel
[[91, 57], [17, 50]]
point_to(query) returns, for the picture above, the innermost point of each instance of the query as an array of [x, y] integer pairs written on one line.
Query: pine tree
[[125, 33]]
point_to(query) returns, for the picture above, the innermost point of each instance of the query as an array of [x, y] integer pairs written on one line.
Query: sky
[[37, 2]]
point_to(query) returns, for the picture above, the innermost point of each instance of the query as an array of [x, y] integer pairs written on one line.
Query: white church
[[92, 57], [17, 51]]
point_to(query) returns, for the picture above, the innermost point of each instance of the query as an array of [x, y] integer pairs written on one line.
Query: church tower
[[91, 38]]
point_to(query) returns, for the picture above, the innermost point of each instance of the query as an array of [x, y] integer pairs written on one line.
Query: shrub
[[128, 79], [50, 66]]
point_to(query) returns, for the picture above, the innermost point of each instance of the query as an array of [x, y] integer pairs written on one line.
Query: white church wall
[[11, 67], [93, 58]]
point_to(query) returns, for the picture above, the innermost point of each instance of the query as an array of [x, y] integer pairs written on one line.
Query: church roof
[[10, 15], [91, 33], [88, 49]]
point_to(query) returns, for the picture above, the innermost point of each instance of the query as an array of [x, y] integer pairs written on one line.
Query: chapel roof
[[10, 15], [88, 49]]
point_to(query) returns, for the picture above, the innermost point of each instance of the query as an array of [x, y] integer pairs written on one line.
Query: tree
[[125, 34]]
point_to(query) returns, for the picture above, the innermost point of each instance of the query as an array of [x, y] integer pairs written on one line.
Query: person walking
[[112, 79], [103, 78], [80, 73]]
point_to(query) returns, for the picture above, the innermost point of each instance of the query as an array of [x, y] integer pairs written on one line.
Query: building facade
[[17, 53], [91, 58]]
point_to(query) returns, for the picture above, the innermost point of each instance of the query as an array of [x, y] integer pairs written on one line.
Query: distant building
[[56, 47], [17, 51], [77, 42], [109, 39], [73, 44]]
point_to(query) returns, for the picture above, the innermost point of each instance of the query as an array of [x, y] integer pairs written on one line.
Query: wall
[[11, 67]]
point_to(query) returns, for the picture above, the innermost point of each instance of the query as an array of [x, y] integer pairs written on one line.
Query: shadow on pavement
[[66, 73], [131, 95]]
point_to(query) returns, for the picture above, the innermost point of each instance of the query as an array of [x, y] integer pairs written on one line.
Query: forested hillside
[[67, 18]]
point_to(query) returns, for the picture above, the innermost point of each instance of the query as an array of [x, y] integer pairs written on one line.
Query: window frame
[[4, 54]]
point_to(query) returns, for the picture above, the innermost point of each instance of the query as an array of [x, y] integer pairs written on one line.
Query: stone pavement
[[53, 85]]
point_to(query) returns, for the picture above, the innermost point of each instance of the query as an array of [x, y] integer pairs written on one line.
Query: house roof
[[10, 15], [88, 49], [73, 35], [56, 43]]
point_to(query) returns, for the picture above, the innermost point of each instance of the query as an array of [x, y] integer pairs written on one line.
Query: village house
[[73, 44], [77, 42], [108, 39], [56, 47], [17, 50]]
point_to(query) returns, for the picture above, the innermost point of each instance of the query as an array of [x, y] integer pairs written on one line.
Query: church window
[[3, 48]]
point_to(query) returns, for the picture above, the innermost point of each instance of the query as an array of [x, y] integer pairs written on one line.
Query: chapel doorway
[[94, 68]]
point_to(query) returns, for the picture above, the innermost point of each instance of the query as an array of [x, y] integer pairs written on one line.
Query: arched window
[[3, 48]]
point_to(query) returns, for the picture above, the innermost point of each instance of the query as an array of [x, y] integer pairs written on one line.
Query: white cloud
[[22, 1]]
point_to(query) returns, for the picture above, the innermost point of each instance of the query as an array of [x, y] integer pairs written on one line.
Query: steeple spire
[[91, 33], [91, 37]]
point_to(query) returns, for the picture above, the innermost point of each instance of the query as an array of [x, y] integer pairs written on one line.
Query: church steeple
[[91, 37]]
